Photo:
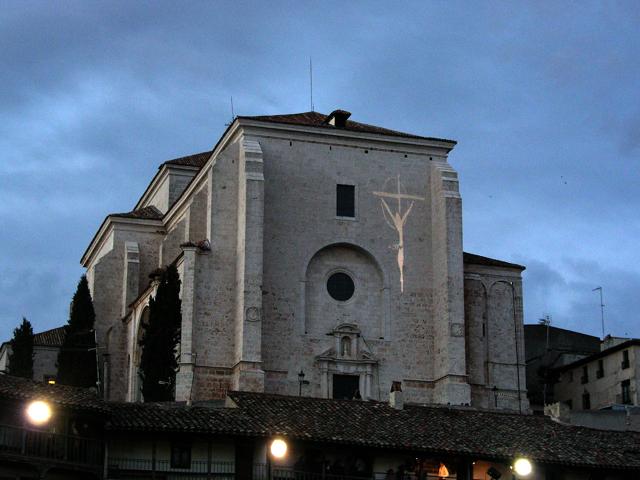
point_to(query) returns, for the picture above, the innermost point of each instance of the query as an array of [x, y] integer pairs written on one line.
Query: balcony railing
[[38, 444], [200, 469]]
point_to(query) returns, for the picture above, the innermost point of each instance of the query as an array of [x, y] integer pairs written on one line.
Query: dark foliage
[[77, 357], [21, 358], [158, 363]]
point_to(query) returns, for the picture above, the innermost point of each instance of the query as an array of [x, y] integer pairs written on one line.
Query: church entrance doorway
[[346, 386]]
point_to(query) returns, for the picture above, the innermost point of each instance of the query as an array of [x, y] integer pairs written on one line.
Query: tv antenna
[[311, 82], [546, 321], [601, 308], [233, 116]]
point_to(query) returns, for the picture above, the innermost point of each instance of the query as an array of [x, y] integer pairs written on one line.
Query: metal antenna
[[233, 116], [546, 321], [601, 308], [311, 81]]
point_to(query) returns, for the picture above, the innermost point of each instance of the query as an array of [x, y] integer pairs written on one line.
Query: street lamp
[[301, 382], [523, 467], [38, 412], [278, 448]]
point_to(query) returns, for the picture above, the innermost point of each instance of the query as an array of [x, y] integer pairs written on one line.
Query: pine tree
[[158, 362], [21, 357], [77, 357]]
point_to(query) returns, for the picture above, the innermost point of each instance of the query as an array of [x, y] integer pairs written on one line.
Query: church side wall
[[300, 220], [171, 243], [107, 303], [108, 282], [160, 198], [493, 297], [214, 329], [178, 180]]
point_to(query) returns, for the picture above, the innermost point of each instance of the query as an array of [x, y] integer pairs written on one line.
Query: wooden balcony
[[200, 470], [19, 444]]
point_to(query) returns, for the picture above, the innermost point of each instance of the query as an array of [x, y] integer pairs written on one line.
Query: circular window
[[340, 286]]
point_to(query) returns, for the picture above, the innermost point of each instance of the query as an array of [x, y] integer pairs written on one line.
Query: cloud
[[542, 99], [565, 291]]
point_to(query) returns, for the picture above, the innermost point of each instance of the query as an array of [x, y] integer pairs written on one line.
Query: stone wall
[[495, 337], [256, 310]]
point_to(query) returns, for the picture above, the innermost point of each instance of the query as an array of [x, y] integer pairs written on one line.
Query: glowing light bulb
[[278, 448], [38, 412], [522, 466]]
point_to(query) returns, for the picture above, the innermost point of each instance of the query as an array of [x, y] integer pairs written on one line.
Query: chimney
[[338, 118], [395, 397]]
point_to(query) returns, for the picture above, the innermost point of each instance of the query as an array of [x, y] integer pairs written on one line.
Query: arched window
[[345, 346]]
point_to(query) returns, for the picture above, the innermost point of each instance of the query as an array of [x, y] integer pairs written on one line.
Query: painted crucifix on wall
[[397, 218]]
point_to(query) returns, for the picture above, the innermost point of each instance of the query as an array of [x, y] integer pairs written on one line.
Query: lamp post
[[301, 382]]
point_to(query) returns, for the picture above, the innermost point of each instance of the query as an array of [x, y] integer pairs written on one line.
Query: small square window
[[345, 201], [180, 455]]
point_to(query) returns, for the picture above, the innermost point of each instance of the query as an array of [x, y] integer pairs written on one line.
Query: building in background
[[310, 244], [604, 380], [548, 347], [46, 346]]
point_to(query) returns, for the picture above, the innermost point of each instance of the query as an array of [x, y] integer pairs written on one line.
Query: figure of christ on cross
[[397, 219]]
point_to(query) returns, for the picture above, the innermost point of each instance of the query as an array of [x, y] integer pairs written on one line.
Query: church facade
[[312, 244]]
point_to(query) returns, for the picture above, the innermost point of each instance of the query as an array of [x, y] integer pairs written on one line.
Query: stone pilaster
[[451, 384], [248, 373], [130, 276], [184, 376]]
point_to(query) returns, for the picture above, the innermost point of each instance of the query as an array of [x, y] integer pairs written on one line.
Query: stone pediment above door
[[348, 346], [349, 357]]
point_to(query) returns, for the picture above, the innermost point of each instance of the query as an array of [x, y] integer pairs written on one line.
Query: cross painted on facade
[[397, 219]]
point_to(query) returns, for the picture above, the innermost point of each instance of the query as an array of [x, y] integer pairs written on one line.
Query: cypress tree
[[21, 357], [159, 342], [77, 357]]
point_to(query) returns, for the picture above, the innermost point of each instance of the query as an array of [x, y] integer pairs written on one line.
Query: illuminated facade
[[311, 243]]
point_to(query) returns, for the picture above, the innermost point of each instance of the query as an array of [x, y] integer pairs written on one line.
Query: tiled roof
[[440, 430], [196, 160], [50, 338], [146, 213], [17, 388], [444, 430], [316, 119], [175, 417], [489, 262]]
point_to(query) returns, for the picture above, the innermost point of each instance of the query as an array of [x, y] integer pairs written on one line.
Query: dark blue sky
[[543, 98]]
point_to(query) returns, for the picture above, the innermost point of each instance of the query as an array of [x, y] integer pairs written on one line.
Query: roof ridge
[[302, 119]]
